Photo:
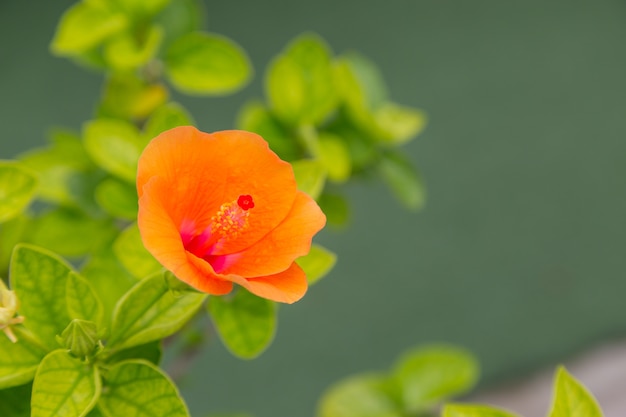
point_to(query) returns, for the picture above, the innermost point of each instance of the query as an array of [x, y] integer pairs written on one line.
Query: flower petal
[[285, 287], [162, 239], [203, 171], [278, 249]]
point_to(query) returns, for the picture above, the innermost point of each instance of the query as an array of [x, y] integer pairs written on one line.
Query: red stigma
[[245, 202]]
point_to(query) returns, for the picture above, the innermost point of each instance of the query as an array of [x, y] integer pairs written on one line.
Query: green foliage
[[138, 388], [64, 386], [367, 395], [427, 376], [114, 145], [246, 323], [15, 402], [310, 176], [40, 280], [117, 198], [129, 249], [17, 188], [420, 380], [19, 360], [317, 263], [203, 63], [571, 398], [470, 410], [402, 179], [150, 311]]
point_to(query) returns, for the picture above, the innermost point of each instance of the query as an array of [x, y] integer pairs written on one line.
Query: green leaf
[[471, 410], [167, 117], [203, 63], [397, 124], [58, 167], [19, 360], [117, 198], [127, 51], [299, 83], [109, 279], [335, 156], [246, 323], [141, 8], [254, 117], [403, 180], [140, 389], [571, 398], [317, 263], [310, 176], [150, 311], [126, 96], [115, 145], [12, 232], [17, 189], [179, 18], [336, 209], [39, 279], [150, 352], [360, 83], [15, 402], [365, 395], [84, 26], [129, 249], [64, 387], [82, 301], [64, 229], [428, 375]]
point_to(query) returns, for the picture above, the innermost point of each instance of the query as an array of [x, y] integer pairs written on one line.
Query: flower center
[[232, 218], [229, 222]]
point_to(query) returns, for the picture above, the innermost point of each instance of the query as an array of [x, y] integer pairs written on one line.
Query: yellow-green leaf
[[17, 188]]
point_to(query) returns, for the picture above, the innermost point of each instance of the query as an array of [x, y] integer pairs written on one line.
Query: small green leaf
[[299, 83], [397, 124], [310, 176], [150, 311], [115, 145], [403, 180], [317, 263], [254, 117], [82, 301], [431, 374], [117, 198], [365, 395], [64, 387], [335, 156], [12, 232], [129, 249], [39, 278], [18, 361], [471, 410], [125, 51], [167, 117], [246, 323], [126, 96], [17, 189], [203, 63], [150, 351], [84, 26], [64, 229], [336, 209], [571, 398], [140, 389], [181, 17], [15, 402]]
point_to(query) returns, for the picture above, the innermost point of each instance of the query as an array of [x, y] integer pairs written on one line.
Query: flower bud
[[8, 307], [80, 337]]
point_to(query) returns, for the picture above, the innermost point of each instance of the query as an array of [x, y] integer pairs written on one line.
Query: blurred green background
[[519, 253]]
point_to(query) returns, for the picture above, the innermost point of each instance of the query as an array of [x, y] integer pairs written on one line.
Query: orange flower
[[222, 208]]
